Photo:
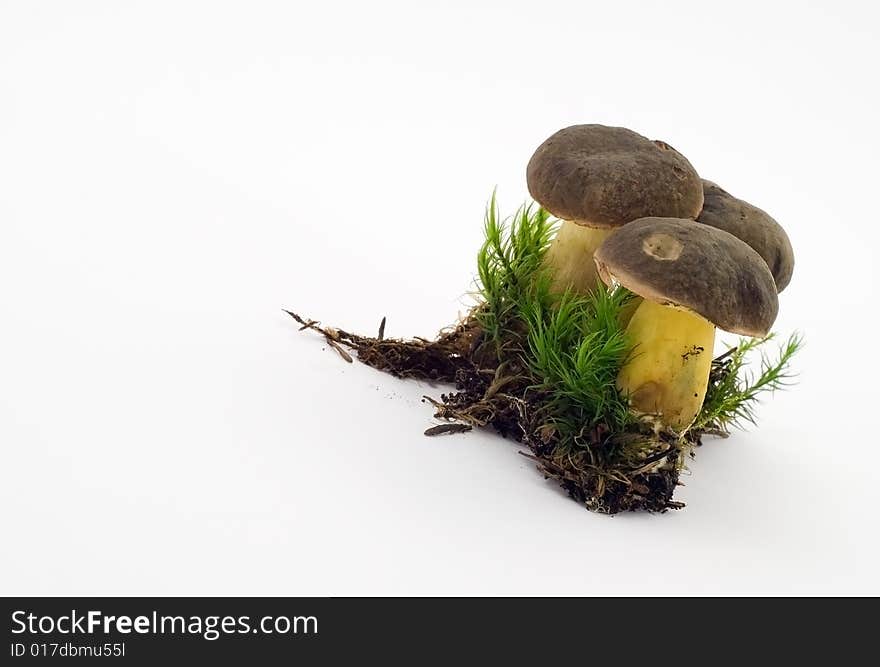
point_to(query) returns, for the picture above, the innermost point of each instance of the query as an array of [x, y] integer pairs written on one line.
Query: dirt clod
[[500, 396]]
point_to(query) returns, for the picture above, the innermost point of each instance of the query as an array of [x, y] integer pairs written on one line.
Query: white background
[[172, 174]]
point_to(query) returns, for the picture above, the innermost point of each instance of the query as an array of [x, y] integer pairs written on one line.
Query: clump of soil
[[499, 395]]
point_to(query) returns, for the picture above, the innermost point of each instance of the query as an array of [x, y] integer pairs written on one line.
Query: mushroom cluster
[[635, 213]]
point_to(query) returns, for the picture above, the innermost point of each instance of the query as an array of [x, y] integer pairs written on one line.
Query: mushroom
[[750, 224], [597, 178], [693, 278]]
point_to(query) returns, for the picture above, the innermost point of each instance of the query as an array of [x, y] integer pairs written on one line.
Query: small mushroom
[[750, 224], [597, 178], [693, 278]]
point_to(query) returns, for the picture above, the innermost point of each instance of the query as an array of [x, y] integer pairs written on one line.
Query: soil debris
[[443, 429], [501, 396]]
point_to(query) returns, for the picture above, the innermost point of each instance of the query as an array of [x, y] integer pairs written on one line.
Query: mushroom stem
[[570, 257], [668, 372]]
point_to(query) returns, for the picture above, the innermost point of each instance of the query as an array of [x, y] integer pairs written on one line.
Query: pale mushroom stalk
[[668, 372], [693, 278], [566, 254]]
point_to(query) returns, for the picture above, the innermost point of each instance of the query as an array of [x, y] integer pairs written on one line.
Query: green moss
[[572, 346], [541, 368]]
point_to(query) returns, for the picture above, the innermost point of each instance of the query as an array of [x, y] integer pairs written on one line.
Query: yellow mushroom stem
[[570, 257], [668, 372], [628, 310]]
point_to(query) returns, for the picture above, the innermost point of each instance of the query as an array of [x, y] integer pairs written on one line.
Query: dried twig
[[332, 335], [442, 429]]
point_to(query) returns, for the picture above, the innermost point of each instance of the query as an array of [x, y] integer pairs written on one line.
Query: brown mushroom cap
[[701, 268], [605, 177], [750, 224]]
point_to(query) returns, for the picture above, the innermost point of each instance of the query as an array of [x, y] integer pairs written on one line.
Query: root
[[500, 396], [433, 360]]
